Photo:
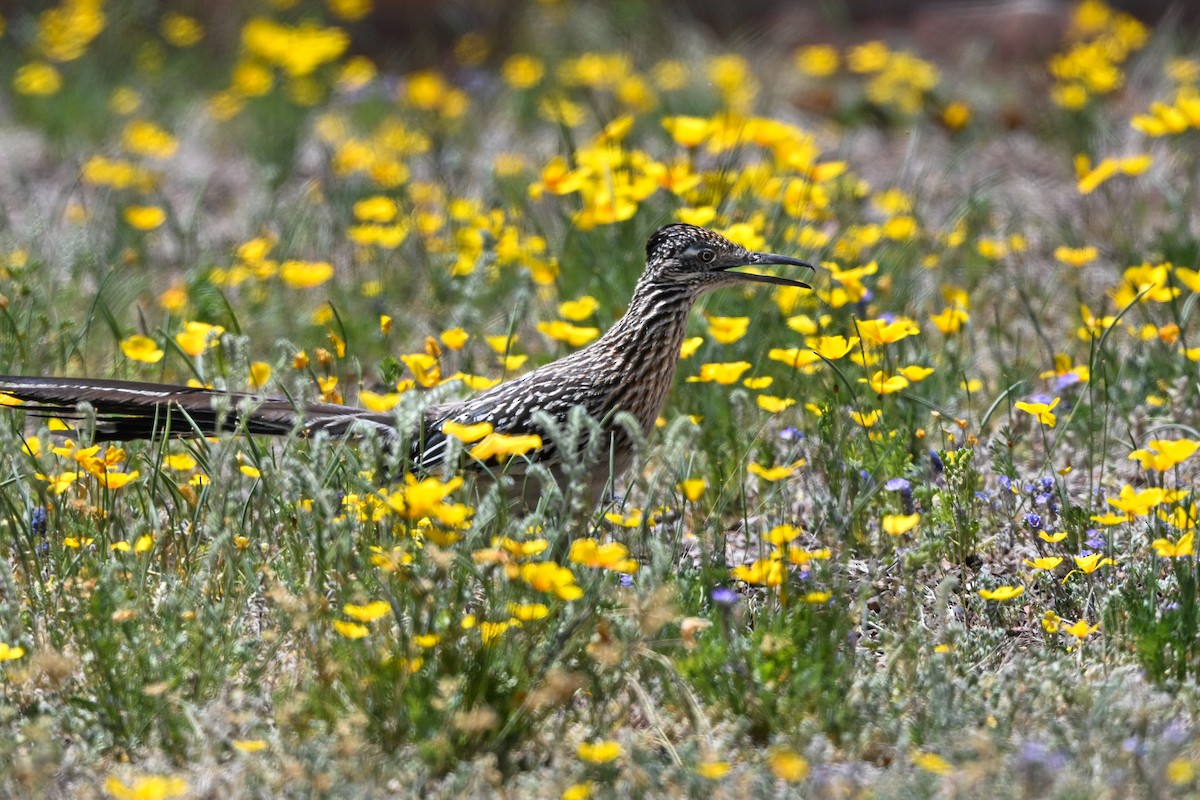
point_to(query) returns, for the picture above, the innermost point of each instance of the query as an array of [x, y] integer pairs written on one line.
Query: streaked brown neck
[[643, 346]]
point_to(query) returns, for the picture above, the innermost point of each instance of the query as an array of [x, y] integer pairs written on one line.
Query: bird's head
[[701, 259]]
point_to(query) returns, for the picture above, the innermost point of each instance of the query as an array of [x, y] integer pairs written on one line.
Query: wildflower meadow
[[927, 530]]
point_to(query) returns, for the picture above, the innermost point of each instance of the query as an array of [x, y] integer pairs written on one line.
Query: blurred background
[[416, 33]]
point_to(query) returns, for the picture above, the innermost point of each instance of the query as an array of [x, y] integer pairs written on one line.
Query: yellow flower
[[10, 652], [144, 138], [426, 640], [522, 549], [351, 630], [787, 765], [702, 216], [915, 372], [931, 762], [880, 331], [773, 404], [1184, 548], [727, 330], [181, 30], [1182, 519], [579, 310], [690, 346], [563, 331], [350, 10], [882, 383], [180, 462], [612, 556], [688, 131], [1076, 256], [37, 78], [454, 338], [799, 556], [141, 348], [1089, 564], [503, 445], [631, 520], [549, 577], [1079, 629], [956, 115], [1044, 562], [298, 50], [578, 791], [424, 367], [489, 631], [249, 745], [467, 434], [692, 488], [1181, 771], [1002, 593], [476, 382], [867, 57], [501, 344], [670, 75], [868, 419], [599, 752], [57, 484], [379, 403], [260, 373], [723, 373], [250, 471], [115, 480], [529, 612], [1109, 167], [305, 274], [781, 535], [147, 787], [1162, 454], [1043, 411], [763, 572], [713, 770], [818, 60], [832, 347], [196, 337], [901, 229], [512, 362], [777, 473], [897, 524], [369, 612], [949, 320], [425, 497], [376, 209], [522, 71], [145, 218], [1137, 504]]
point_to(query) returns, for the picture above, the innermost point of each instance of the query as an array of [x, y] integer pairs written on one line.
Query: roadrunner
[[629, 369]]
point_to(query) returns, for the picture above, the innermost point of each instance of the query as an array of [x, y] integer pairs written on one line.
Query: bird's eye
[[707, 256]]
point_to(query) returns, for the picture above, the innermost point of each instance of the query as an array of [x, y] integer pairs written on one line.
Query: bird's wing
[[511, 409]]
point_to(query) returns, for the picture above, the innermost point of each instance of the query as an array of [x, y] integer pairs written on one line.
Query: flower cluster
[[1102, 40]]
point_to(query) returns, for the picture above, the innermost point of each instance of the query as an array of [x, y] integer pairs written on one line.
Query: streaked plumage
[[629, 368]]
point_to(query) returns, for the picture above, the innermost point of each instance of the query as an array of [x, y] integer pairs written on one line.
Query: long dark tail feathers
[[126, 410]]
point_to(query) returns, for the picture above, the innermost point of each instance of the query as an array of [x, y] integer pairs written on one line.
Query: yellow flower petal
[[1002, 593], [599, 752]]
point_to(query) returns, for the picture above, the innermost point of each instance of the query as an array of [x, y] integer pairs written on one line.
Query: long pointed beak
[[770, 259]]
